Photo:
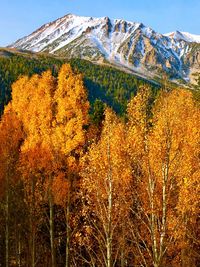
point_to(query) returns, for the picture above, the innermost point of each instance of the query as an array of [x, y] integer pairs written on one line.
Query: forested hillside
[[120, 193], [111, 86]]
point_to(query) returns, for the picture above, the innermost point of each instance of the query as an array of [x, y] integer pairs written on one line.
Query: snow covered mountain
[[123, 43], [185, 36]]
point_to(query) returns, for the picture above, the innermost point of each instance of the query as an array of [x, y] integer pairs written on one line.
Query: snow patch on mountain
[[188, 37]]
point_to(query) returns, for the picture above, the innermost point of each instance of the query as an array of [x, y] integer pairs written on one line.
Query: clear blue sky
[[20, 17]]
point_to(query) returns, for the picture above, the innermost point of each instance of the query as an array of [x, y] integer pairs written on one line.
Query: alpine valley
[[127, 45]]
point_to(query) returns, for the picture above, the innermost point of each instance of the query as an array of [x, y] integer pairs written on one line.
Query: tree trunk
[[32, 224], [7, 221], [122, 258], [68, 232], [152, 221], [109, 237], [186, 258], [19, 250], [109, 233], [123, 248], [51, 223]]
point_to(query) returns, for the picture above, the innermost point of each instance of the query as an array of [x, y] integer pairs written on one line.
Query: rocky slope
[[119, 42]]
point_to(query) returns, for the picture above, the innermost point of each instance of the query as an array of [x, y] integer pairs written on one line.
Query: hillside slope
[[107, 84]]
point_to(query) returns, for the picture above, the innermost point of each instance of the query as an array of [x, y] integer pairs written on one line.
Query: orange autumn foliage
[[11, 138], [163, 154], [106, 177], [56, 111]]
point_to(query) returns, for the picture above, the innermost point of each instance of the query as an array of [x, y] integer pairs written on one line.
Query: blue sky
[[20, 17]]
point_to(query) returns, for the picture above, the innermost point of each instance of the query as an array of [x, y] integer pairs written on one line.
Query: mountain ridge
[[128, 44], [186, 36]]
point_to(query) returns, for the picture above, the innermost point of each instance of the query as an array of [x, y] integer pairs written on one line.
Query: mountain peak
[[185, 36], [123, 43]]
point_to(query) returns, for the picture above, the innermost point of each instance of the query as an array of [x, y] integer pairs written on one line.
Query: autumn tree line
[[107, 84], [118, 192]]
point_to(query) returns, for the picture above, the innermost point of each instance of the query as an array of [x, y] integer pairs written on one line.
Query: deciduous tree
[[106, 177]]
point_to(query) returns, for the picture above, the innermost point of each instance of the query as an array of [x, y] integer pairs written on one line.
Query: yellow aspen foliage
[[53, 112], [71, 111], [34, 165], [106, 178], [167, 167], [174, 148], [176, 138], [32, 100], [60, 188], [164, 159], [108, 152], [11, 138], [138, 123]]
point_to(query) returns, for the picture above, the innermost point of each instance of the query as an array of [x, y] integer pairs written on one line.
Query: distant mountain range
[[118, 42]]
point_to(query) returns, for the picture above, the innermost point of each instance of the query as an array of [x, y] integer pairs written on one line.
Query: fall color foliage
[[72, 194]]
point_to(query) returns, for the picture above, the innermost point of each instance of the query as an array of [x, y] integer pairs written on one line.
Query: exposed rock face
[[129, 44]]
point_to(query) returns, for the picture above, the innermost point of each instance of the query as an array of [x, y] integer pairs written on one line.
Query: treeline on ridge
[[107, 84]]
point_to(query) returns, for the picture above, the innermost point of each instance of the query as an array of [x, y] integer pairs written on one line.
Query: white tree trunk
[[51, 224]]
